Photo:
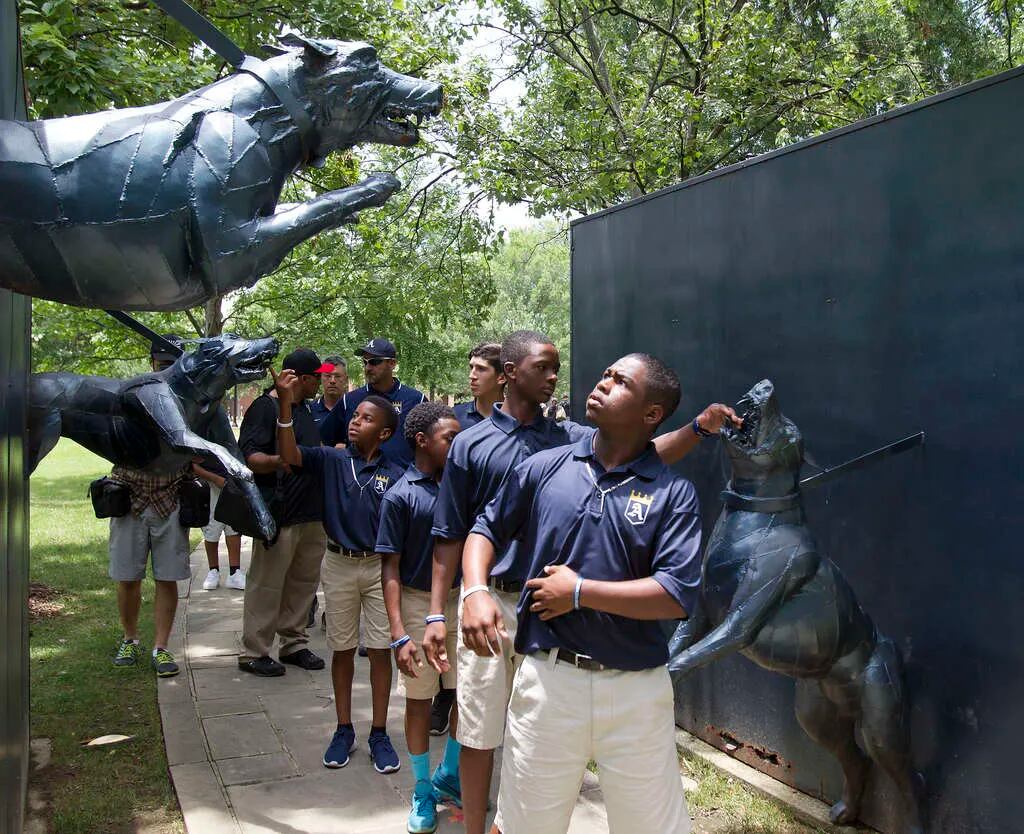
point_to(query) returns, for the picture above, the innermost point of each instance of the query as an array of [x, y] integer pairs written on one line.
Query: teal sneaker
[[423, 816], [447, 785], [163, 662], [128, 653]]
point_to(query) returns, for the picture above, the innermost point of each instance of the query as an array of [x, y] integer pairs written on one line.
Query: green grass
[[77, 694], [724, 806]]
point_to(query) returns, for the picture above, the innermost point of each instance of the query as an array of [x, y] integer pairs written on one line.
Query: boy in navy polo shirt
[[486, 383], [407, 545], [480, 460], [611, 538], [379, 361], [354, 481]]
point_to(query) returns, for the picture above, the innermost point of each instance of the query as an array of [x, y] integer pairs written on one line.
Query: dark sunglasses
[[375, 361]]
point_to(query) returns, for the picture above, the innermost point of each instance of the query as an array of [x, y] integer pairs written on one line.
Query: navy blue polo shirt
[[351, 504], [319, 410], [480, 459], [467, 415], [648, 526], [334, 428], [406, 516]]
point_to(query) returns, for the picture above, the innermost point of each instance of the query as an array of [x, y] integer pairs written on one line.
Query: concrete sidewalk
[[245, 752]]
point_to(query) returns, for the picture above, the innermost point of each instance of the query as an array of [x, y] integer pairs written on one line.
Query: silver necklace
[[604, 492], [373, 474]]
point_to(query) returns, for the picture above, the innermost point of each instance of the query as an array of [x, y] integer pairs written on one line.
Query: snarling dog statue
[[768, 594], [157, 421], [166, 206]]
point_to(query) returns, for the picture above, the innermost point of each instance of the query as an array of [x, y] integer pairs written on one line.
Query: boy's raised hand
[[287, 384]]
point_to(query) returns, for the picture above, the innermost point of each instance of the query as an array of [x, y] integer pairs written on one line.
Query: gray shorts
[[133, 538]]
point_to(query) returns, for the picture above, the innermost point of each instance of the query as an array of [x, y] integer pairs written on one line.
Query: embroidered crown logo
[[380, 483], [398, 405], [637, 507]]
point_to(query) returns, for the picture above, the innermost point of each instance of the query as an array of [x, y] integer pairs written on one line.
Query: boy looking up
[[611, 540], [481, 458], [353, 481], [406, 545]]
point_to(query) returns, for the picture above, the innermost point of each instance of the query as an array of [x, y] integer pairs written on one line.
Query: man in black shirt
[[284, 575]]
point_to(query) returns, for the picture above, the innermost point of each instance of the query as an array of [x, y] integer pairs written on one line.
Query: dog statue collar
[[265, 73], [752, 504]]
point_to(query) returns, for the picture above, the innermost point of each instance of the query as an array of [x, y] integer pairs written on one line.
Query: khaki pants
[[559, 718], [485, 683], [279, 589]]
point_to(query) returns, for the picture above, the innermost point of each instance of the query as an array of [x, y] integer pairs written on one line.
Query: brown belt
[[352, 554]]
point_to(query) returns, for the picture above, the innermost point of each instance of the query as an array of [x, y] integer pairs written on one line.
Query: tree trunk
[[213, 324]]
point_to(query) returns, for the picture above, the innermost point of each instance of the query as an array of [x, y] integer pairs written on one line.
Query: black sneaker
[[362, 652], [163, 663], [440, 712], [303, 658], [265, 667]]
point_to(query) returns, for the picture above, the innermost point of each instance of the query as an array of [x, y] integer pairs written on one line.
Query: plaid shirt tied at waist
[[150, 489]]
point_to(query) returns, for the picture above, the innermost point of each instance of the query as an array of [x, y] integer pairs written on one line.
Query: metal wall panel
[[15, 324], [876, 275]]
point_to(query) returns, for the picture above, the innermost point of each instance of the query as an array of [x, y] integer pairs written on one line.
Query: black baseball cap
[[161, 354], [305, 361], [378, 347]]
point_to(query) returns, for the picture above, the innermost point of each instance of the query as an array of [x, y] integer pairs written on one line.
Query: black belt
[[352, 554], [512, 587], [580, 661]]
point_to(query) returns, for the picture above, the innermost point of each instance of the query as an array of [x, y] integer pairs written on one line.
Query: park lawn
[[77, 694]]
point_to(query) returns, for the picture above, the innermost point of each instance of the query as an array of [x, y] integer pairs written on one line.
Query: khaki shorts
[[352, 585], [133, 538], [624, 721], [427, 683], [485, 683], [212, 531]]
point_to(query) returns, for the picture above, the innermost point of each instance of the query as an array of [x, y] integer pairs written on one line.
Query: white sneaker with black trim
[[236, 580], [212, 580]]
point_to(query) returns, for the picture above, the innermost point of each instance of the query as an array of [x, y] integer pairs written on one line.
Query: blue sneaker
[[423, 816], [382, 754], [447, 785], [343, 743]]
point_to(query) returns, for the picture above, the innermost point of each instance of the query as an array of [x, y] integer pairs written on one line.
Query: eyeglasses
[[375, 361]]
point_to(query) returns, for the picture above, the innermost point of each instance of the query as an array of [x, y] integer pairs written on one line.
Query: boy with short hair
[[486, 383], [406, 544], [354, 480]]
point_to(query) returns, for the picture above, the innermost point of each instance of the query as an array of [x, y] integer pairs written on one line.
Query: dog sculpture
[[157, 421], [166, 206], [769, 594]]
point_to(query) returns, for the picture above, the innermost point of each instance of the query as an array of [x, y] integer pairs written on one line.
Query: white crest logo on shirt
[[380, 483], [637, 507], [398, 406]]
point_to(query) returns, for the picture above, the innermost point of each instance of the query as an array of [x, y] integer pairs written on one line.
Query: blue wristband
[[699, 430], [401, 641], [576, 594], [435, 618]]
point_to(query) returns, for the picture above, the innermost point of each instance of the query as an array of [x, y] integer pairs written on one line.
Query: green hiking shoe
[[128, 653], [163, 662]]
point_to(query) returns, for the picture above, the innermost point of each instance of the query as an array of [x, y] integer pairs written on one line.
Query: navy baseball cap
[[305, 361], [378, 347]]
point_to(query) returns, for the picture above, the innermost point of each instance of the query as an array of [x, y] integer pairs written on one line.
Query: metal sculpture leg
[[825, 722], [885, 729]]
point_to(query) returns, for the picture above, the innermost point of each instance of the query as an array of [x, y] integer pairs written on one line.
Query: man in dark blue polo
[[379, 361], [353, 481], [486, 384], [481, 458], [335, 386], [610, 537]]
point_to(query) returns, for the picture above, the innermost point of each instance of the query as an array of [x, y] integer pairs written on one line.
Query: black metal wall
[[876, 274], [15, 323]]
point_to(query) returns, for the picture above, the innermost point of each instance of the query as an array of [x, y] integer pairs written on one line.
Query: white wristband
[[287, 425], [473, 589]]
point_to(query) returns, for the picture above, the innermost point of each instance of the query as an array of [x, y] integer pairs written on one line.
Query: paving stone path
[[245, 752]]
